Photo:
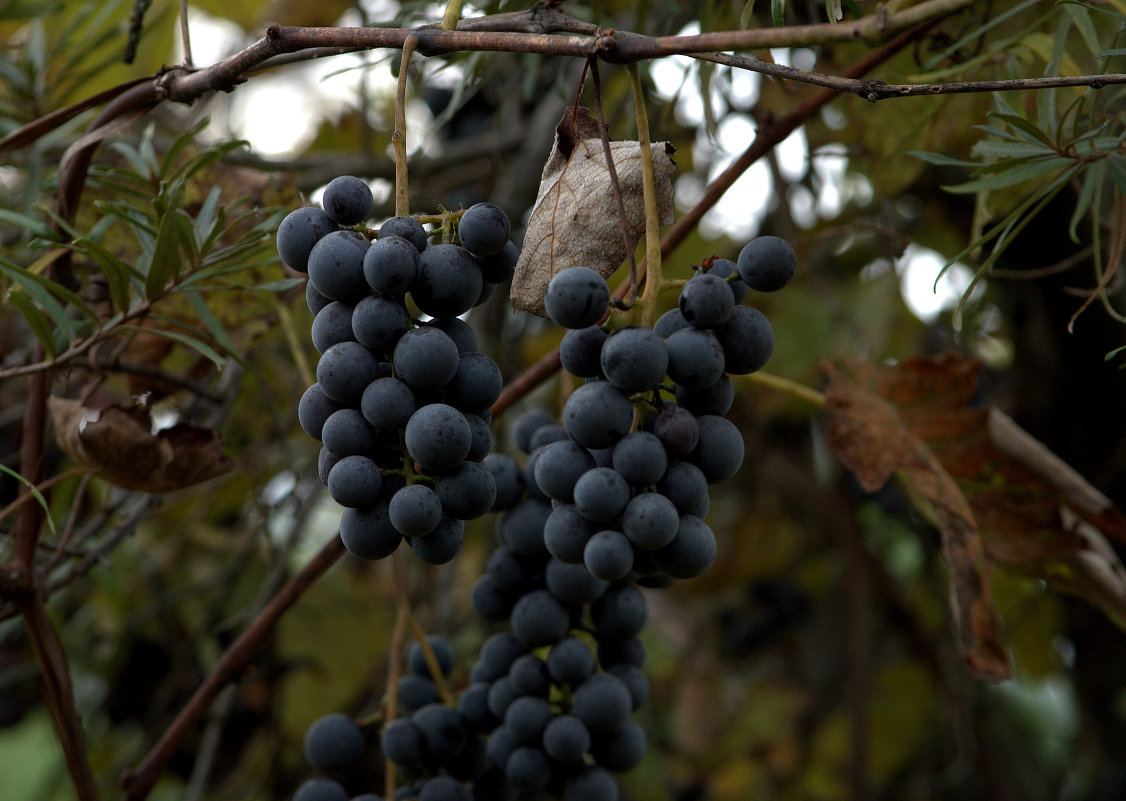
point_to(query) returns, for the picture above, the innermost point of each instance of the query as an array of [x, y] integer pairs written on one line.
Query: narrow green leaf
[[49, 304], [179, 144], [1117, 166], [1093, 176], [993, 149], [195, 343], [37, 321], [1019, 174], [210, 321], [34, 273], [206, 218], [748, 12], [1117, 51], [34, 226], [977, 31], [1032, 133], [164, 263], [833, 10], [778, 12], [35, 493], [1081, 18], [941, 159]]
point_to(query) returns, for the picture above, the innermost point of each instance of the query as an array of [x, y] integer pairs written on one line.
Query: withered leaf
[[118, 444], [1035, 514], [575, 220], [874, 443]]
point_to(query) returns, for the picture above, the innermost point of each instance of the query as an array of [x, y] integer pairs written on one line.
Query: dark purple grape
[[313, 409], [347, 199], [650, 521], [691, 551], [521, 528], [566, 738], [767, 263], [314, 300], [378, 323], [391, 266], [509, 480], [387, 403], [592, 783], [415, 510], [677, 430], [572, 583], [458, 330], [347, 433], [725, 268], [538, 619], [669, 323], [449, 281], [481, 438], [686, 486], [634, 359], [559, 465], [367, 532], [747, 340], [608, 555], [354, 481], [719, 452], [640, 458], [408, 228], [437, 437], [443, 733], [716, 399], [696, 358], [566, 533], [601, 494], [529, 676], [577, 297], [333, 742], [580, 352], [619, 613], [475, 385], [602, 702], [336, 266], [467, 490], [299, 232], [620, 750], [528, 424], [442, 544], [425, 358], [528, 769], [483, 229], [332, 324], [318, 789], [345, 370], [706, 301], [499, 267], [527, 717], [597, 415], [570, 661]]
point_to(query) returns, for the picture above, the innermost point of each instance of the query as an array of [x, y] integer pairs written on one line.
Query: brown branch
[[139, 781]]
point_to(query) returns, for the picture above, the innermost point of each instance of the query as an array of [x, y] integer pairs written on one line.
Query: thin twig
[[185, 34], [399, 135], [394, 661], [451, 15], [139, 781], [623, 220], [649, 193]]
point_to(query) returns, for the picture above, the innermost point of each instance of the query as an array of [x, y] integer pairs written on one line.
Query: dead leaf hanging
[[575, 220], [118, 444]]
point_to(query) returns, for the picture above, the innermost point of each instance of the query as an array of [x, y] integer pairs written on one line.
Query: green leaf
[[34, 274], [1093, 176], [39, 323], [195, 343], [778, 12], [748, 12], [210, 321], [1117, 51], [164, 262], [1024, 171], [940, 159], [33, 225], [1117, 166], [1032, 133], [833, 10], [1006, 150], [51, 307], [1081, 18], [35, 493]]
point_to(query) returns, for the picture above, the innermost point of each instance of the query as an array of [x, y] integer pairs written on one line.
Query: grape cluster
[[401, 405]]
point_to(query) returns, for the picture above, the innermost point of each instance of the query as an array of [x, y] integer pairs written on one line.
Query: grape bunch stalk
[[402, 404], [610, 500]]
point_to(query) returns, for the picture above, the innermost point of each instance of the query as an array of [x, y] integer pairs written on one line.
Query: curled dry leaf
[[874, 443], [1033, 512], [575, 220], [118, 444]]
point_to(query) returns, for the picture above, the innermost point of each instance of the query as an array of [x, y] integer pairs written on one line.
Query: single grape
[[345, 370], [640, 458], [378, 323], [577, 297], [416, 692], [415, 510], [449, 281], [509, 480], [299, 232], [333, 741], [597, 415], [747, 340], [566, 738], [570, 661], [483, 229], [332, 324], [528, 769], [620, 750], [608, 555], [669, 323], [347, 433], [566, 532], [474, 704], [443, 788], [391, 266], [443, 732], [466, 491], [592, 783], [443, 653], [526, 425], [437, 437], [572, 583], [387, 404], [580, 352], [538, 618], [634, 359], [318, 789], [619, 613], [706, 301], [442, 544], [677, 430], [545, 435], [529, 676], [527, 717], [650, 521], [696, 358], [521, 528], [716, 399], [347, 199], [458, 330], [686, 486], [719, 452], [354, 481], [408, 228], [336, 266], [691, 551], [475, 385], [314, 300], [601, 494], [602, 702], [313, 410], [500, 266], [767, 263], [367, 532], [559, 466], [425, 358]]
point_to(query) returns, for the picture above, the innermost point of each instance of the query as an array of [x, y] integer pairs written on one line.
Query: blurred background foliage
[[815, 659]]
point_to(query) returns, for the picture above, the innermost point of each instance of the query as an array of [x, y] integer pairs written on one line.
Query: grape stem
[[399, 136], [649, 193], [452, 15], [432, 662], [790, 387]]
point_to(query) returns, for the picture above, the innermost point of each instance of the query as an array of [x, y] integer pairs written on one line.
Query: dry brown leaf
[[118, 444], [1034, 513], [575, 220], [874, 443]]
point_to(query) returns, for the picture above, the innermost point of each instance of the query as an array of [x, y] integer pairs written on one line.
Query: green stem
[[790, 387], [399, 136], [653, 277], [452, 15], [432, 662]]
